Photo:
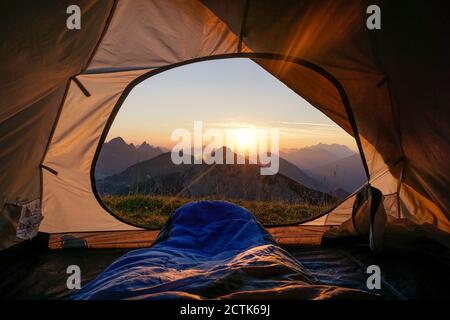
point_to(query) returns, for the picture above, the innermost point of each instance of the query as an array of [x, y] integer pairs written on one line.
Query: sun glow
[[245, 139]]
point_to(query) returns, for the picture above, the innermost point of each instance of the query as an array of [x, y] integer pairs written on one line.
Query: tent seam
[[243, 25], [50, 138], [60, 108], [102, 35]]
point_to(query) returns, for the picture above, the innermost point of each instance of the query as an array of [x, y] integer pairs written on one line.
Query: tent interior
[[61, 90]]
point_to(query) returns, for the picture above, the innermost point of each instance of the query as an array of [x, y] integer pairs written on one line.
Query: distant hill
[[337, 169], [290, 170], [339, 150], [331, 169], [159, 176], [317, 155], [346, 173], [116, 155]]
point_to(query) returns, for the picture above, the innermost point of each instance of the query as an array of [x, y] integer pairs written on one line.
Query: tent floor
[[43, 275], [412, 276]]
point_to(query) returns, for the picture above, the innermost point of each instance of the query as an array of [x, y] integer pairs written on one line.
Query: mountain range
[[159, 176], [317, 155], [328, 168], [116, 155], [335, 167], [345, 174]]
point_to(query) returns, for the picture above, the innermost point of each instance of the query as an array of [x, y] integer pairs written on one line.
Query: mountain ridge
[[316, 155], [159, 176], [329, 168], [116, 155], [346, 173]]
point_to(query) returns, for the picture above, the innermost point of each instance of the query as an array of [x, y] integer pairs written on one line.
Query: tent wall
[[68, 201], [164, 33], [38, 56], [23, 139], [395, 80], [413, 50]]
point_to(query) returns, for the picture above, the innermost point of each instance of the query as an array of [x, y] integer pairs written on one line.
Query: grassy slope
[[152, 211]]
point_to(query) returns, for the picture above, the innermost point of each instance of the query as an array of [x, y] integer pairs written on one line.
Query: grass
[[153, 211]]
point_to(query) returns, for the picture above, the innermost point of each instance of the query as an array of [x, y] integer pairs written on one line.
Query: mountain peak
[[339, 150], [145, 146], [117, 141], [117, 155]]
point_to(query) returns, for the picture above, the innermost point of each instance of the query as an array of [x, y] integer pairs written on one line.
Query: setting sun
[[244, 139]]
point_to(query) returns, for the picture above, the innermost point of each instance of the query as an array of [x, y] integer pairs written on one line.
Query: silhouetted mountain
[[290, 170], [337, 169], [116, 155], [308, 158], [338, 150], [317, 155], [287, 169], [347, 173], [159, 176]]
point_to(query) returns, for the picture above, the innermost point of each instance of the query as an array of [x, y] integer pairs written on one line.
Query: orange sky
[[223, 94]]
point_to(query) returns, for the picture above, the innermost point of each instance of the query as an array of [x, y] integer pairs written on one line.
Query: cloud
[[289, 123]]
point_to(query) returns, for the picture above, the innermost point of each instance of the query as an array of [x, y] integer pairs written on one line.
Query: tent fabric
[[71, 152], [192, 31], [39, 55], [395, 80], [209, 249]]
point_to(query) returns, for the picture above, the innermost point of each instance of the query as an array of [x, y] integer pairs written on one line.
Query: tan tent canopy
[[61, 88]]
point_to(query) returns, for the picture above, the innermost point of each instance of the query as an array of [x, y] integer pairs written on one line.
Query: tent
[[61, 89]]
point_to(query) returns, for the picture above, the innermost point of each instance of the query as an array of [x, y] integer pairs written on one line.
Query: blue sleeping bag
[[207, 249]]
